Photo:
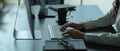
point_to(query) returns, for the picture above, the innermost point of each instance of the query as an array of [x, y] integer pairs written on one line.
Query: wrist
[[71, 24], [83, 36], [81, 27]]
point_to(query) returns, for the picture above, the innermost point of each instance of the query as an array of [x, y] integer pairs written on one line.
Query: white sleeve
[[104, 38], [101, 22]]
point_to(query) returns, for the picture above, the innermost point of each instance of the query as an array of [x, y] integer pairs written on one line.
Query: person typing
[[112, 17]]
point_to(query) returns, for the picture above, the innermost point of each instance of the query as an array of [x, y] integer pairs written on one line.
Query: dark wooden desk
[[81, 14]]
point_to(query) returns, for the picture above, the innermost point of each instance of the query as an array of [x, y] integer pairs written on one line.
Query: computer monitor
[[36, 33], [28, 14], [30, 17]]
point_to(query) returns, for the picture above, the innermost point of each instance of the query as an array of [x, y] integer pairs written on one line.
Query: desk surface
[[81, 14]]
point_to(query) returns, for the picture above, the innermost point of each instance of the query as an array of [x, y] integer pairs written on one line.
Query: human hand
[[74, 34], [73, 25]]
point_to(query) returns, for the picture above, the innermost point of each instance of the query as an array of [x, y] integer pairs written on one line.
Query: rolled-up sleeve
[[104, 38], [101, 22]]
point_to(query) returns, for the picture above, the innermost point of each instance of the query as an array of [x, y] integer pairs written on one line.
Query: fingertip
[[65, 35], [63, 27]]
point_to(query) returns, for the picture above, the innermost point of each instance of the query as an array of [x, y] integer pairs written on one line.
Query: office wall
[[104, 5], [73, 2], [13, 2]]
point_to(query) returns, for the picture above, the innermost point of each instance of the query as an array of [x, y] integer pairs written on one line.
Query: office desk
[[81, 14]]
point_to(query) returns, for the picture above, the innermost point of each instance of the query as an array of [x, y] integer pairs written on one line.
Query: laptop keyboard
[[54, 31]]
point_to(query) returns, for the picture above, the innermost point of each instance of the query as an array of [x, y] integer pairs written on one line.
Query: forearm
[[103, 38], [76, 26], [101, 22]]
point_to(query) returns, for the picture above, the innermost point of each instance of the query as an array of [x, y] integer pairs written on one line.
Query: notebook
[[54, 45]]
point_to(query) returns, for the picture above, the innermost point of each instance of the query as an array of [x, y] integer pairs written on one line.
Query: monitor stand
[[62, 13], [62, 10]]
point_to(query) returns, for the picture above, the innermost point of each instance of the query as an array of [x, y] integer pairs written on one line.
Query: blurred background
[[104, 5]]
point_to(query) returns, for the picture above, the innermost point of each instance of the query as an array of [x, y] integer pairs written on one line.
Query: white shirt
[[105, 37]]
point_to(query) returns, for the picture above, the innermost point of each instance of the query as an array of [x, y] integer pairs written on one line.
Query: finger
[[71, 31], [66, 35], [63, 28], [66, 32]]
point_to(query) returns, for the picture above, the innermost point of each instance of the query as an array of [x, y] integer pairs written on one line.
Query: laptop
[[55, 32]]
